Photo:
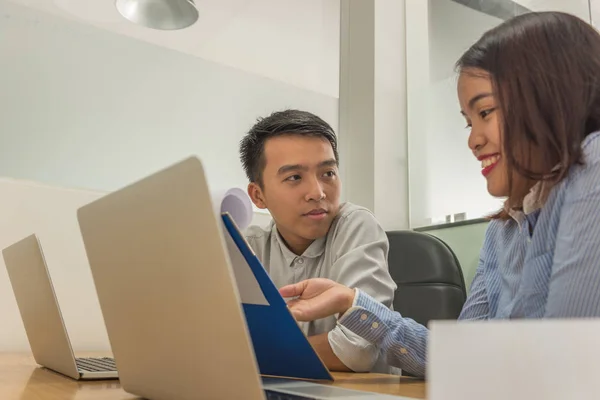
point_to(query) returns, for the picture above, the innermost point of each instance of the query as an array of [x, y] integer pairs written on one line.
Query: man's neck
[[296, 245]]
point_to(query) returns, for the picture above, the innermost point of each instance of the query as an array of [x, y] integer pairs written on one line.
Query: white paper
[[236, 202], [247, 285], [514, 359]]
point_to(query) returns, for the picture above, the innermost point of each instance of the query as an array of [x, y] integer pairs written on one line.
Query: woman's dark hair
[[545, 71]]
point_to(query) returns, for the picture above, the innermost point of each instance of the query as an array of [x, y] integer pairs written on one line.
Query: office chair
[[429, 277]]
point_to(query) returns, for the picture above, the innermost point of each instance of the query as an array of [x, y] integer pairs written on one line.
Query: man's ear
[[256, 195]]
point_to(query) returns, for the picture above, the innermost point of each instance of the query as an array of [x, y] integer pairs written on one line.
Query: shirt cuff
[[367, 318]]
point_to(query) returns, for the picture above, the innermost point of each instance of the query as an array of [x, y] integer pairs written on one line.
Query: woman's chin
[[497, 190]]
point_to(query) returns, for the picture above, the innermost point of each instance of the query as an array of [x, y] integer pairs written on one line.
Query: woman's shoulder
[[496, 231], [591, 146], [585, 178]]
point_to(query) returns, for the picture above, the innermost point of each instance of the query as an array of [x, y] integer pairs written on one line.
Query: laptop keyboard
[[272, 395], [103, 364]]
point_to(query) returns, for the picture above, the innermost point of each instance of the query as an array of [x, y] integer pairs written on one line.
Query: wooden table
[[22, 379]]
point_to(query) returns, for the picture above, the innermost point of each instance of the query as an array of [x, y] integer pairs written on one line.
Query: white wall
[[83, 107], [50, 212], [262, 37], [580, 8], [373, 146], [390, 133]]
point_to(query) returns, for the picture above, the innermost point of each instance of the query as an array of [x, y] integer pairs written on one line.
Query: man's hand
[[317, 298]]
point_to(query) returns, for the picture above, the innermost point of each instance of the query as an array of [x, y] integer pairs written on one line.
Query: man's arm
[[360, 248], [321, 345]]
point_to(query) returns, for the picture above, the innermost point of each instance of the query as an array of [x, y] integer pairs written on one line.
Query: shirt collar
[[315, 249], [533, 201]]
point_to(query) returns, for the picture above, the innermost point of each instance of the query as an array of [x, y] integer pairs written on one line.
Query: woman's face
[[479, 107]]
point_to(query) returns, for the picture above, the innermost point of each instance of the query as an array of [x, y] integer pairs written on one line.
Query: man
[[291, 161]]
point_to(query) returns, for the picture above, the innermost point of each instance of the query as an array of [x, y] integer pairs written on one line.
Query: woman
[[530, 93]]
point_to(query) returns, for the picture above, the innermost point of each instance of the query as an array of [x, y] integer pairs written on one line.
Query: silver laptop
[[169, 297], [43, 321]]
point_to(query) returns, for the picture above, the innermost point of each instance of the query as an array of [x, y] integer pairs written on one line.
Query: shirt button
[[374, 325], [300, 260], [363, 317], [403, 350]]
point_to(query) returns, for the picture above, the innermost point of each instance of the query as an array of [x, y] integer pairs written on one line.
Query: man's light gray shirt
[[354, 253]]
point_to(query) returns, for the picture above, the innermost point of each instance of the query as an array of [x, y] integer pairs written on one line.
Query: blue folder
[[280, 346]]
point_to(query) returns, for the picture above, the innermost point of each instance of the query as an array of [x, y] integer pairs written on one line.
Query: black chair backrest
[[429, 277]]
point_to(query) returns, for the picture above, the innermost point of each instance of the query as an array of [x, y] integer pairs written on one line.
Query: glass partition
[[445, 184]]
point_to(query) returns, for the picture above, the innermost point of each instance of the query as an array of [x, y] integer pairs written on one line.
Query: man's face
[[301, 188]]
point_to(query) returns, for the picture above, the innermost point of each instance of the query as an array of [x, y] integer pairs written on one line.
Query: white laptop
[[168, 295], [42, 319]]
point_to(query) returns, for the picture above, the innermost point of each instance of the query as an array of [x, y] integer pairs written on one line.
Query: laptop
[[42, 319], [169, 299]]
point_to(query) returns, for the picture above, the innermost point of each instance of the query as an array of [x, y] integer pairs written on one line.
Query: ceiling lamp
[[159, 14]]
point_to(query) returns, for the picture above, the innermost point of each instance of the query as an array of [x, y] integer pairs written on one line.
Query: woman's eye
[[484, 113]]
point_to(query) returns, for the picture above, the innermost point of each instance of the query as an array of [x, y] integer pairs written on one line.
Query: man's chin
[[314, 235], [318, 231]]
